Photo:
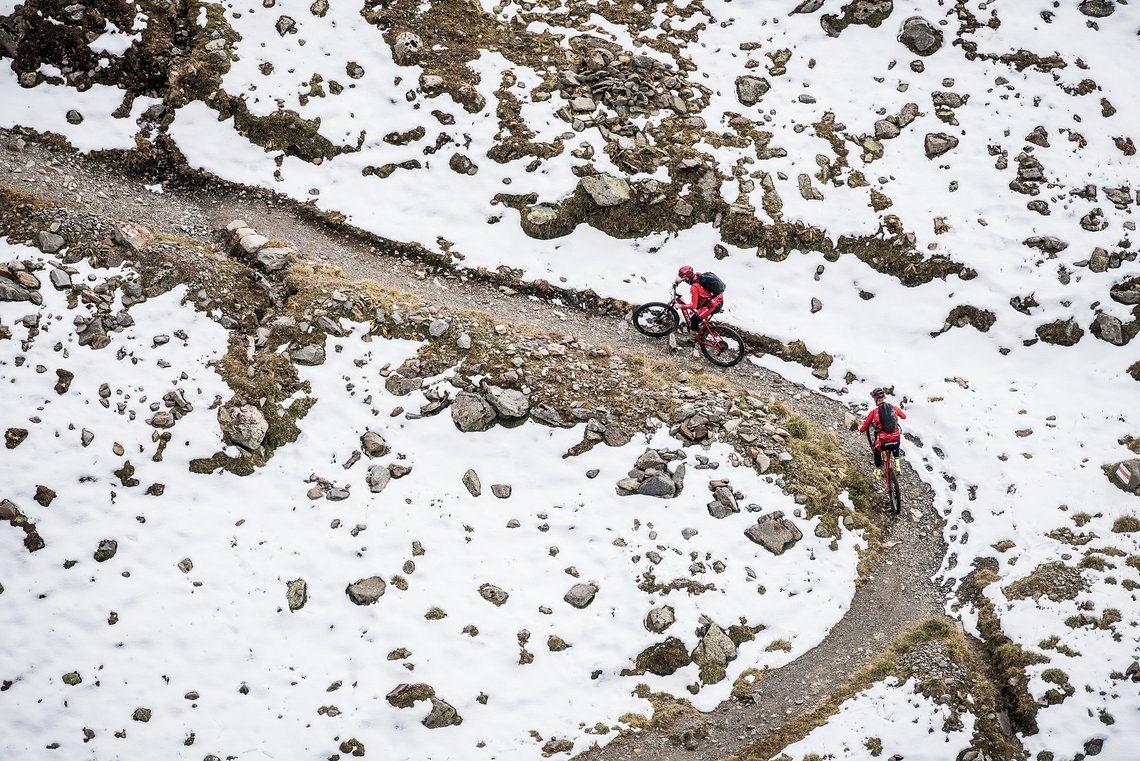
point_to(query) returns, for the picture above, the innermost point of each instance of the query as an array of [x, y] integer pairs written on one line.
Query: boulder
[[297, 594], [749, 90], [650, 459], [374, 444], [443, 714], [60, 279], [1097, 8], [438, 327], [713, 653], [920, 36], [659, 485], [605, 189], [937, 143], [378, 478], [663, 658], [51, 242], [244, 426], [471, 412], [581, 595], [1108, 328], [660, 619], [886, 130], [774, 533], [106, 550], [366, 591], [407, 695], [406, 48], [493, 594], [273, 258], [471, 481], [1127, 292], [507, 401], [312, 354]]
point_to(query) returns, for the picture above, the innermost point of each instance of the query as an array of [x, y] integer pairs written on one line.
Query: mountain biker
[[707, 294], [884, 417]]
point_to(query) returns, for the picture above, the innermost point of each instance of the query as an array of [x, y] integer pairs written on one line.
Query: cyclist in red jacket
[[703, 300], [884, 418]]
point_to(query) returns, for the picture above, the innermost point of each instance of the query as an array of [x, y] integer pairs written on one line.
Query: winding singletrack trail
[[899, 591]]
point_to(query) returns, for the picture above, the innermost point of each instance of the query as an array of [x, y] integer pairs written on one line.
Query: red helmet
[[878, 394], [686, 273]]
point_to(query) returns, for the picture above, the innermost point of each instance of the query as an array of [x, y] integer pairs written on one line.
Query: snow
[[967, 392]]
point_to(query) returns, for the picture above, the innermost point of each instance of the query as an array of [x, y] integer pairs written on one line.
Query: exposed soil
[[898, 592]]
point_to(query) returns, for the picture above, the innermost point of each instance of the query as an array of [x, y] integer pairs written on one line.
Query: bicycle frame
[[706, 328]]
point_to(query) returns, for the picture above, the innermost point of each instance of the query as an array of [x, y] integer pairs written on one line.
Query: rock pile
[[652, 477], [248, 243], [774, 533]]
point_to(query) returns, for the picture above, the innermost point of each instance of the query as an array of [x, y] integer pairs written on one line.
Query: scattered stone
[[374, 444], [749, 90], [658, 486], [605, 189], [471, 412], [407, 695], [493, 594], [312, 354], [886, 130], [366, 591], [1038, 136], [1108, 328], [44, 495], [273, 258], [816, 305], [406, 48], [186, 565], [297, 594], [713, 653], [438, 327], [106, 550], [443, 714], [141, 714], [72, 679], [14, 437], [937, 143], [378, 478], [502, 491], [244, 426], [1097, 8], [60, 279], [774, 533], [51, 243], [920, 36], [581, 595], [508, 402], [660, 619], [471, 481]]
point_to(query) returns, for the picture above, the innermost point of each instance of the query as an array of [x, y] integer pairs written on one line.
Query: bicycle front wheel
[[727, 349], [655, 319], [895, 493]]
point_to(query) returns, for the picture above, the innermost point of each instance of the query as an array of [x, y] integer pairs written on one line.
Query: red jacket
[[873, 419], [701, 296]]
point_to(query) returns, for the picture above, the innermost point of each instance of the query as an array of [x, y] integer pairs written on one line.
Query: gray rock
[[244, 426], [725, 497], [366, 591], [920, 36], [658, 486], [493, 594], [471, 412], [471, 481], [443, 714], [10, 291], [273, 258], [312, 354], [816, 305], [337, 494], [106, 550], [186, 565], [660, 619], [463, 342], [679, 477], [407, 695], [650, 459], [1097, 8], [544, 413], [763, 462], [605, 189], [749, 90], [398, 385], [72, 679], [252, 242], [50, 242], [1050, 244], [507, 401], [438, 327], [937, 143], [583, 104], [541, 214], [689, 533], [406, 48], [60, 280], [502, 491], [378, 478], [774, 533], [1039, 136], [885, 130], [162, 419], [1127, 292], [374, 444], [714, 649], [297, 594], [581, 595], [808, 6], [1108, 328]]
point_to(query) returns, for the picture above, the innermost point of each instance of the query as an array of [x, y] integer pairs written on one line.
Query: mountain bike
[[721, 345], [890, 471]]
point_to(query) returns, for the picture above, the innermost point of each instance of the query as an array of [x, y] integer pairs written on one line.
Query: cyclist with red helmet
[[884, 419], [706, 293]]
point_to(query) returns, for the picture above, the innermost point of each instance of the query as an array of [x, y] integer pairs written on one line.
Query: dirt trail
[[899, 591]]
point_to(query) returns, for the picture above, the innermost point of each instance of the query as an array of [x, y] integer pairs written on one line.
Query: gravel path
[[899, 592]]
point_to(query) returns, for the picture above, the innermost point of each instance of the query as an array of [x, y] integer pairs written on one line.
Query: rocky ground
[[896, 590]]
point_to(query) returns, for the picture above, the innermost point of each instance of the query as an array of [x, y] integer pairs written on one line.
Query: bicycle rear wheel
[[894, 492], [655, 319], [728, 349]]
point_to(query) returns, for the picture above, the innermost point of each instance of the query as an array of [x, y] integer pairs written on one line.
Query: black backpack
[[888, 420], [711, 283]]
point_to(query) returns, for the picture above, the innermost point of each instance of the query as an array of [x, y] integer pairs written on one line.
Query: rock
[[605, 189], [628, 485], [50, 242], [1050, 244], [557, 746], [10, 291], [106, 550], [273, 258], [502, 491], [886, 130], [808, 6], [72, 679], [285, 25], [507, 401], [398, 471], [186, 565], [297, 594], [1038, 137], [807, 189], [378, 478], [583, 104], [141, 714], [1127, 292], [252, 242], [397, 385], [1097, 8], [406, 48], [763, 462], [581, 595], [541, 214], [816, 305], [920, 36], [1108, 328], [60, 279], [658, 486], [407, 695], [73, 117], [1061, 332], [713, 653], [443, 714], [438, 327], [463, 342], [660, 619], [663, 658], [161, 419], [471, 481], [44, 496], [366, 591], [774, 533], [471, 412], [749, 90], [493, 594], [63, 381], [374, 444], [312, 354], [650, 459], [244, 426], [937, 143]]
